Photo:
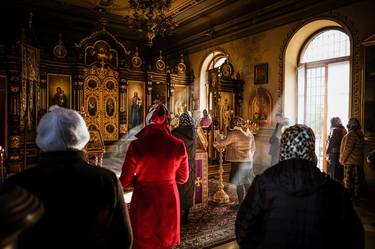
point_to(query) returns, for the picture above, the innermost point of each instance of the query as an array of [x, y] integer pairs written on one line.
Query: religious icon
[[92, 106], [261, 73], [110, 128], [59, 90], [260, 107], [181, 97], [135, 110], [110, 85], [110, 107], [60, 98]]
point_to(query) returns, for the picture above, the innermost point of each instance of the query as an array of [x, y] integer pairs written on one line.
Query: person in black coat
[[84, 204], [186, 132], [293, 205]]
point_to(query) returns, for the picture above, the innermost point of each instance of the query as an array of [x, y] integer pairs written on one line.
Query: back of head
[[298, 141], [158, 114], [353, 124], [62, 129], [238, 122], [185, 120], [335, 122]]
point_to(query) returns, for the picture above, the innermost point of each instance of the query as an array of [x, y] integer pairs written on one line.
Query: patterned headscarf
[[158, 114], [186, 120], [298, 141], [238, 122]]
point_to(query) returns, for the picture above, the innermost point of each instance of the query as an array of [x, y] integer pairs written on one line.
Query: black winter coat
[[84, 205], [186, 190], [292, 205]]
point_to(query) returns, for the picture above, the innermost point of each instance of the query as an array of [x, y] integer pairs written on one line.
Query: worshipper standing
[[294, 205], [281, 123], [84, 205], [240, 148], [154, 164], [351, 156], [337, 132], [186, 132], [206, 120]]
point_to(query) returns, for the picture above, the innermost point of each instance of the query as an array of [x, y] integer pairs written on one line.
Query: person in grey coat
[[274, 141]]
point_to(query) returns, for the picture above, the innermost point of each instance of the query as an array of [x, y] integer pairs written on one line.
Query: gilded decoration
[[101, 52], [260, 107], [103, 31], [136, 61], [15, 142], [181, 67], [59, 51], [101, 91], [160, 64], [30, 75], [227, 70]]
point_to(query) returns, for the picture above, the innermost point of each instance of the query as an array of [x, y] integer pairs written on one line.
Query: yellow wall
[[265, 47]]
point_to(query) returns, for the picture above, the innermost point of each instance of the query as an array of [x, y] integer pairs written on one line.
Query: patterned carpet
[[210, 226]]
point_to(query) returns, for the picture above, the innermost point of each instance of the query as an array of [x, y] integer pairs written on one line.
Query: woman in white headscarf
[[84, 204], [294, 205]]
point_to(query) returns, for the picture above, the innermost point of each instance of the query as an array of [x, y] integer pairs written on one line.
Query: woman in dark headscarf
[[294, 205], [185, 131], [337, 132], [351, 156]]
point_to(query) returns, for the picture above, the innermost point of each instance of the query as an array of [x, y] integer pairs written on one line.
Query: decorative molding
[[103, 31]]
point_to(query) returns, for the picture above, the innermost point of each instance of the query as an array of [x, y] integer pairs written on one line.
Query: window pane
[[219, 62], [315, 94], [326, 45], [338, 92], [301, 94]]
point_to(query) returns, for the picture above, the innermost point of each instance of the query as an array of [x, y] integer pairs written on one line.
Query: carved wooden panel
[[101, 91]]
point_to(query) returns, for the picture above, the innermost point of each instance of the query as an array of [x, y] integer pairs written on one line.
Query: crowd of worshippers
[[291, 205]]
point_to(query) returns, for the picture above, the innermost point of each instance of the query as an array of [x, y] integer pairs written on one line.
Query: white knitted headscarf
[[62, 129]]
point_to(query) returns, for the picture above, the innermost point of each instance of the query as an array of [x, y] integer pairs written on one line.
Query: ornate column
[[43, 98], [123, 107], [81, 101], [75, 96], [172, 98], [14, 132]]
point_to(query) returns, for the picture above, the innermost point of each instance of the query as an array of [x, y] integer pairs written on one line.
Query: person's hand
[[341, 162], [368, 160]]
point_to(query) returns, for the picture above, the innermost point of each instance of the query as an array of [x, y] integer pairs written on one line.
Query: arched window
[[323, 83], [214, 60]]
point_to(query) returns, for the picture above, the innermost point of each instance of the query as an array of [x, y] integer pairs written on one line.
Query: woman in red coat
[[155, 163]]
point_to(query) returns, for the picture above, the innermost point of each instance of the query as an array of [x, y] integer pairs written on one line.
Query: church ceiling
[[199, 22]]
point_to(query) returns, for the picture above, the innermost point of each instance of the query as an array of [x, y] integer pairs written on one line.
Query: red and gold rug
[[208, 227]]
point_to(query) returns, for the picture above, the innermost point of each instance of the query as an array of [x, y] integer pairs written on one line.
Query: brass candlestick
[[220, 197]]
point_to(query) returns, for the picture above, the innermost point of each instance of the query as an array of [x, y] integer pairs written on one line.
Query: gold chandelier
[[148, 16]]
